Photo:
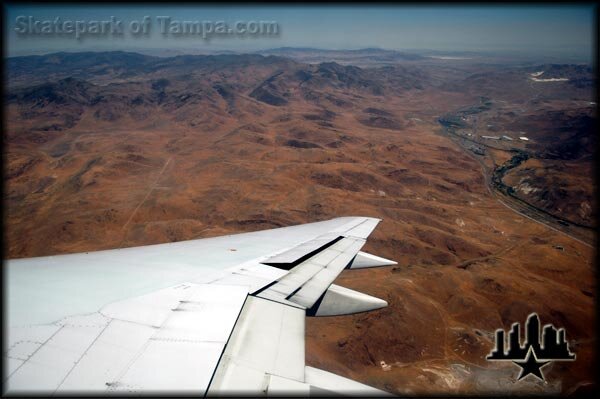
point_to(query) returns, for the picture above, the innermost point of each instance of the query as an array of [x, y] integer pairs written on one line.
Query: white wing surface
[[218, 316]]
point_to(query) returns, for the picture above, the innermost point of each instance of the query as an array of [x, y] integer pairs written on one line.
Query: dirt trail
[[152, 187]]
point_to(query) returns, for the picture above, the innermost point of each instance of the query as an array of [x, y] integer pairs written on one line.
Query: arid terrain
[[108, 150]]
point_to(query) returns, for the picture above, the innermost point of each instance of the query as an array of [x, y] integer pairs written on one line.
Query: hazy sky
[[553, 30]]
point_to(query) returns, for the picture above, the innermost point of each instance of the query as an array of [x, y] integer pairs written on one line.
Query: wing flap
[[265, 356], [312, 290], [329, 384], [305, 283], [268, 339]]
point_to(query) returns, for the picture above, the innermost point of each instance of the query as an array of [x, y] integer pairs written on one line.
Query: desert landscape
[[481, 170]]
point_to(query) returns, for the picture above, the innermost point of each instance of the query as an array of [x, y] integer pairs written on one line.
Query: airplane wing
[[216, 316]]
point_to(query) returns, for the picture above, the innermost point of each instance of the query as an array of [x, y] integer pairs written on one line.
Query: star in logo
[[531, 365]]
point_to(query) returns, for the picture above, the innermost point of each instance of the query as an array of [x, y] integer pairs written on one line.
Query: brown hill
[[147, 150]]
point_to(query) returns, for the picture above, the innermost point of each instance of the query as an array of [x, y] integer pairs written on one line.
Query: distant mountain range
[[28, 70], [361, 57], [58, 89]]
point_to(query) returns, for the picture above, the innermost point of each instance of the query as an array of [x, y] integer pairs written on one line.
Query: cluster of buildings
[[504, 137], [521, 136]]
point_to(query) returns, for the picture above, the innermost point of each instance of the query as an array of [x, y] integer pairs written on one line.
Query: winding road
[[580, 234]]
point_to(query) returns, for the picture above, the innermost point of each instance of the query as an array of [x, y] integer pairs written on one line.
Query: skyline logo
[[534, 354]]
